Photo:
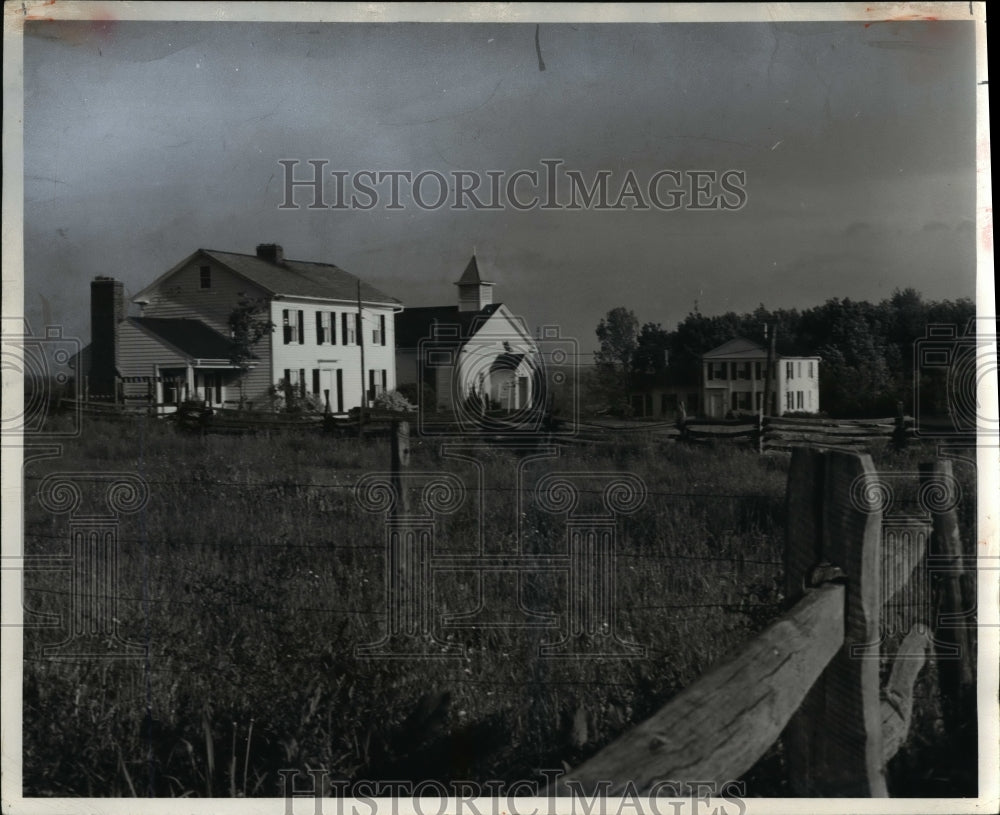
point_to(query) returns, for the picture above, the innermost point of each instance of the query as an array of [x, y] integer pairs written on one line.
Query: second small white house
[[733, 379], [476, 349]]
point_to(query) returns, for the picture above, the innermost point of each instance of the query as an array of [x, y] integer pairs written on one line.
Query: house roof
[[191, 337], [285, 278], [739, 348], [415, 324], [506, 362], [471, 276], [299, 278]]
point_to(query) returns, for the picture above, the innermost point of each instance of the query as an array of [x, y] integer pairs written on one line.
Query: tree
[[652, 347], [249, 323], [617, 332]]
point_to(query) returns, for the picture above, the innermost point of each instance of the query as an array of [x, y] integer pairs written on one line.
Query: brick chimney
[[271, 252], [107, 310]]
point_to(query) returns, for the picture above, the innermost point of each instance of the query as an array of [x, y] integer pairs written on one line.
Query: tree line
[[867, 350]]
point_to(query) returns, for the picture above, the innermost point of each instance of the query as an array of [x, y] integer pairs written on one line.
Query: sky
[[147, 140]]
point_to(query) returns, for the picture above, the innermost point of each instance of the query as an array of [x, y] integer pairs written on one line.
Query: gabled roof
[[287, 278], [191, 337], [415, 324], [471, 276], [740, 348], [506, 362], [298, 278]]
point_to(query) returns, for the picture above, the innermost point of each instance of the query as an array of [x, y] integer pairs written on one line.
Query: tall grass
[[252, 574]]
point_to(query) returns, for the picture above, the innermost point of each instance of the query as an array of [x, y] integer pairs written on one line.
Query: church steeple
[[474, 293]]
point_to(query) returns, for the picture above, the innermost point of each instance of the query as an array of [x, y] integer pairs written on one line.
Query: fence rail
[[812, 677], [770, 433]]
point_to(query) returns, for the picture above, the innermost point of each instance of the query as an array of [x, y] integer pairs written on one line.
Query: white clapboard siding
[[181, 295], [139, 354], [309, 355]]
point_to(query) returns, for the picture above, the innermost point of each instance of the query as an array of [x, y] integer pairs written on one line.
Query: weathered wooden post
[[409, 550], [682, 420], [899, 435], [834, 743], [954, 593], [399, 460]]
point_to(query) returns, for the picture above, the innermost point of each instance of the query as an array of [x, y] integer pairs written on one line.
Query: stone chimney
[[107, 310], [271, 252], [474, 293]]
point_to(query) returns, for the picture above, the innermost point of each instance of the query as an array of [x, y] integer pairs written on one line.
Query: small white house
[[181, 343], [733, 379], [475, 349]]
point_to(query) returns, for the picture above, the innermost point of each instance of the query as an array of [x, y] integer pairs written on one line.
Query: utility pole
[[360, 330], [769, 332]]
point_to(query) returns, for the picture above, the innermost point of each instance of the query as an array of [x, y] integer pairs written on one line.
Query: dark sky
[[145, 141]]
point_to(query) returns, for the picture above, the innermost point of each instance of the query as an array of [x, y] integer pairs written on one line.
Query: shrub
[[394, 401]]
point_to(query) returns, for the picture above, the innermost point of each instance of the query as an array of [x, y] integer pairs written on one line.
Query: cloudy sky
[[145, 141]]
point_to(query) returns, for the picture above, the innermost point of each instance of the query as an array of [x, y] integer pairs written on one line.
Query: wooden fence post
[[953, 597], [399, 439], [833, 744], [900, 437]]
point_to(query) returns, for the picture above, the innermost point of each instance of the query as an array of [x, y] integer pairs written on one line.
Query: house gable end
[[182, 292]]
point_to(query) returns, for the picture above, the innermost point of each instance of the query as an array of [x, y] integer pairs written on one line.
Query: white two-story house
[[733, 380], [326, 321]]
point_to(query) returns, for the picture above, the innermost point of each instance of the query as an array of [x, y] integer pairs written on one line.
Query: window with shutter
[[301, 324]]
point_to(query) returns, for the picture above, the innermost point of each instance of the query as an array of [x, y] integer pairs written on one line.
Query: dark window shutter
[[340, 390], [343, 328], [315, 381], [381, 328], [302, 382], [357, 329], [286, 326], [333, 328], [319, 327], [383, 377], [302, 333]]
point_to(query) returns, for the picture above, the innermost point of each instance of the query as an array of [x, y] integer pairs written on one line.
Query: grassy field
[[252, 574]]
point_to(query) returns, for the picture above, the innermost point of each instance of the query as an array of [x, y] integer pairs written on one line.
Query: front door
[[209, 388], [331, 386], [716, 404]]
